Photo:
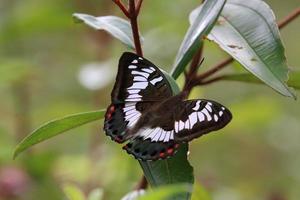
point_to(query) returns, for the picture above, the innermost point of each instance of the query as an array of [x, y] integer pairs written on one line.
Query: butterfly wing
[[139, 85], [194, 118], [144, 150], [187, 120]]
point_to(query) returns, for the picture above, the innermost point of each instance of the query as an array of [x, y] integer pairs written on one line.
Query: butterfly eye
[[115, 132]]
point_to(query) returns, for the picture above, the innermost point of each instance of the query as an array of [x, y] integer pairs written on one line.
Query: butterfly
[[152, 120]]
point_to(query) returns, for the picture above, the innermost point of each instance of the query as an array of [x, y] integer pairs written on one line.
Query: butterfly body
[[154, 121]]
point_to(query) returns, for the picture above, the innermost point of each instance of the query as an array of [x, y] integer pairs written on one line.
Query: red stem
[[122, 7], [135, 29], [293, 15], [138, 7]]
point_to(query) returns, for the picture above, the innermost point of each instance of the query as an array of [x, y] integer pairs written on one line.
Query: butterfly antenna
[[189, 82]]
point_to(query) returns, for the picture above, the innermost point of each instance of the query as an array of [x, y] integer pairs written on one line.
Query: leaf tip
[[76, 18]]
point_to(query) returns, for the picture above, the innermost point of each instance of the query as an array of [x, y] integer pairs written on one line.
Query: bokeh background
[[51, 67]]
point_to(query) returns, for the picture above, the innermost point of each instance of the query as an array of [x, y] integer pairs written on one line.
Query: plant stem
[[290, 17], [143, 184], [135, 29], [122, 7], [216, 68], [138, 7]]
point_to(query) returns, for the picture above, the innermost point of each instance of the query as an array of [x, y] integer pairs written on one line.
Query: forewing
[[194, 118], [139, 85], [139, 80]]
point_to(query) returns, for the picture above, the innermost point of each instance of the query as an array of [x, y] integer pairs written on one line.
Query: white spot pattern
[[157, 134], [154, 81], [132, 67], [197, 106], [131, 114], [139, 82], [198, 116]]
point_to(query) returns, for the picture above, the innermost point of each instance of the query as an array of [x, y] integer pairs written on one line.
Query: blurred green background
[[50, 67]]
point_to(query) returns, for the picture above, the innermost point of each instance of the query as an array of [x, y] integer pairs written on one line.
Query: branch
[[138, 6], [122, 7], [135, 29], [216, 68], [293, 15]]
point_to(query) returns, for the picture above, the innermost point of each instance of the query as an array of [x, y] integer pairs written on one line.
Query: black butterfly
[[145, 112]]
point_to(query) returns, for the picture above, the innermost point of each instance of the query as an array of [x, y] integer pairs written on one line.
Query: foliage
[[230, 32]]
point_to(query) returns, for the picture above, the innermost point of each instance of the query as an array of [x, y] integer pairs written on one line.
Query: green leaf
[[73, 192], [294, 79], [116, 26], [167, 192], [173, 170], [199, 193], [55, 127], [201, 26], [247, 30]]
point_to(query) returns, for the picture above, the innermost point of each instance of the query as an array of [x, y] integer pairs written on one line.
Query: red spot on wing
[[162, 155], [170, 151], [108, 116], [112, 109]]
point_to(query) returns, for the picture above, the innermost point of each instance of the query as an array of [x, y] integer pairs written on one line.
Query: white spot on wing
[[220, 113], [200, 116], [208, 107], [145, 132], [132, 67], [181, 125], [193, 119], [172, 135], [153, 133], [134, 61], [130, 112], [176, 126], [139, 78], [133, 120], [147, 70], [144, 74], [197, 106], [133, 91], [140, 58], [125, 109], [187, 124], [168, 133], [154, 81], [157, 136], [133, 99], [205, 112], [162, 136], [139, 85], [216, 118], [134, 96]]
